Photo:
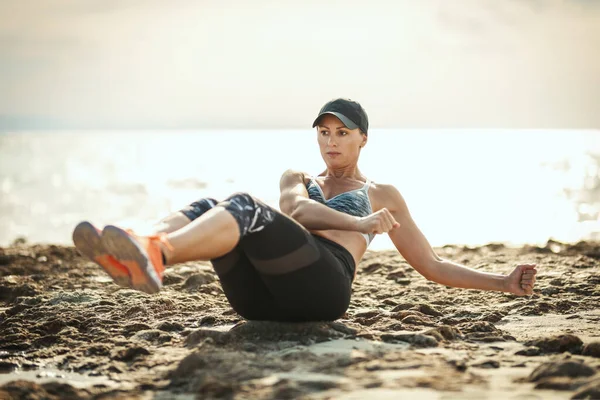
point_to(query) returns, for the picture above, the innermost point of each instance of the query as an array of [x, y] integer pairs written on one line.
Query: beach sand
[[68, 332]]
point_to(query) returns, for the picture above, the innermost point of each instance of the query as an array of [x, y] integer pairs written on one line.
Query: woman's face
[[339, 145]]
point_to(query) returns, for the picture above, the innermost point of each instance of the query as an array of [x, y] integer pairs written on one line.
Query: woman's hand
[[521, 280], [381, 221]]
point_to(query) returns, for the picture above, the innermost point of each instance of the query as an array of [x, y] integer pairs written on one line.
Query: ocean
[[467, 187]]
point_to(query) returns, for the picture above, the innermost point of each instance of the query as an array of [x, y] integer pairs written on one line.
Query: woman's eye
[[343, 133], [324, 132]]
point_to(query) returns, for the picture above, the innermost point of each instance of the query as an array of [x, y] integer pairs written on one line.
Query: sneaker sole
[[88, 242], [129, 253]]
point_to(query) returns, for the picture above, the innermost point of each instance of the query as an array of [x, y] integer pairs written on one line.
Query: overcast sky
[[272, 64]]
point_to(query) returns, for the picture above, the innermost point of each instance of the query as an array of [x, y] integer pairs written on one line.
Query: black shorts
[[279, 271]]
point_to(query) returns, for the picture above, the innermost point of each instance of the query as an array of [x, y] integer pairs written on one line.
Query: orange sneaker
[[86, 238], [141, 255]]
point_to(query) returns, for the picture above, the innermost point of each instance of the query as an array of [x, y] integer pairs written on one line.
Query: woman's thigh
[[302, 275], [244, 288], [295, 276], [320, 291]]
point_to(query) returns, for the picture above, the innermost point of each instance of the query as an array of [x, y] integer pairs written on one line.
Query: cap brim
[[347, 123]]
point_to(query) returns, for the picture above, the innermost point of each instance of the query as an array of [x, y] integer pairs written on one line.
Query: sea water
[[462, 186]]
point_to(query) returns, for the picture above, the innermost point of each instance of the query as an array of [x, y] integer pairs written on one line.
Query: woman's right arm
[[294, 201]]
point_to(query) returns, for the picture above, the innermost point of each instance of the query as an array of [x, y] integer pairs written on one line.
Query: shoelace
[[161, 237]]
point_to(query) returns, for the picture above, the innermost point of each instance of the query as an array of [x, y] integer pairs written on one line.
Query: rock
[[416, 339], [371, 268], [72, 297], [171, 278], [555, 383], [402, 307], [529, 351], [132, 328], [130, 354], [459, 365], [199, 335], [46, 341], [592, 349], [396, 274], [368, 314], [170, 326], [493, 316], [568, 368], [444, 332], [558, 344], [291, 331], [197, 280], [98, 350], [486, 364], [427, 309], [20, 389], [135, 311], [478, 326], [152, 335], [188, 366], [7, 366], [549, 291], [11, 293], [561, 383], [250, 347], [589, 391], [416, 320]]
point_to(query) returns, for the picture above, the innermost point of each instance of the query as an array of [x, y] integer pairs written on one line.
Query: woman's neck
[[349, 172]]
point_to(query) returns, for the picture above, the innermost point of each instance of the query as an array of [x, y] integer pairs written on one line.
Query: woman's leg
[[241, 283], [275, 268], [179, 219], [306, 281], [302, 275], [218, 231], [244, 288], [198, 232], [301, 272]]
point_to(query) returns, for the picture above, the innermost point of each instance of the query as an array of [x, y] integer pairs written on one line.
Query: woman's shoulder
[[297, 174], [383, 195], [381, 188]]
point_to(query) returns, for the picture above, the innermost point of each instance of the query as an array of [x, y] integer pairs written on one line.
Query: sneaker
[[86, 238], [141, 255]]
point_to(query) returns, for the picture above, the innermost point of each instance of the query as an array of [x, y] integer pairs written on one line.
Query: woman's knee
[[242, 196], [197, 208], [251, 214]]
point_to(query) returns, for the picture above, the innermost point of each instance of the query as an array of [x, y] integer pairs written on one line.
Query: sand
[[68, 332]]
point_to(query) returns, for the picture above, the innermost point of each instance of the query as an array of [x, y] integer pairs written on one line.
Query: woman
[[297, 264]]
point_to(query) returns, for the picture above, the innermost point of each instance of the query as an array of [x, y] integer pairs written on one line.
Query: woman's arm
[[415, 248], [294, 201]]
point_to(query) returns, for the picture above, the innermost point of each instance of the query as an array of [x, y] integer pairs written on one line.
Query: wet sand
[[68, 332]]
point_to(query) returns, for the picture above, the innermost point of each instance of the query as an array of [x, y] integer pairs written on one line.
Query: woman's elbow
[[287, 206], [296, 213], [294, 210], [429, 270]]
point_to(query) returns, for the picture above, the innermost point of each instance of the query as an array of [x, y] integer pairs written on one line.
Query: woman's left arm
[[417, 251]]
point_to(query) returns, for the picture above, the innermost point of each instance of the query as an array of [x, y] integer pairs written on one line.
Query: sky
[[239, 64]]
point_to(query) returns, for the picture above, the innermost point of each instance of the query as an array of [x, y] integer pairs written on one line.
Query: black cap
[[349, 112]]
